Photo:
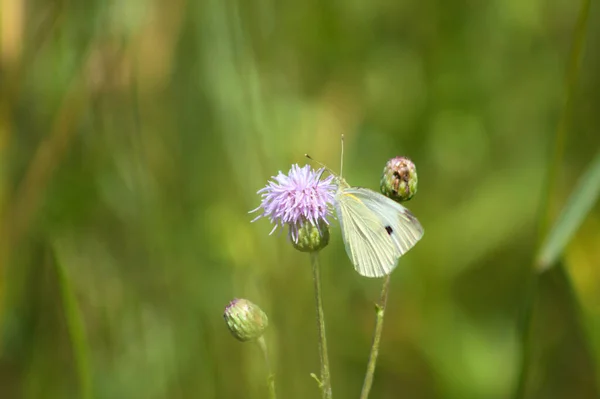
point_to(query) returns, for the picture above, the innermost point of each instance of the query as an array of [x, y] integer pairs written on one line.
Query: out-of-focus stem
[[270, 376], [76, 329]]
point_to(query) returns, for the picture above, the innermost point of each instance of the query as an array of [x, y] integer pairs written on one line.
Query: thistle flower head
[[297, 198], [245, 320]]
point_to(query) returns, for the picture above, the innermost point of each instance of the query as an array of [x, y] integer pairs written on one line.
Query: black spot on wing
[[389, 230]]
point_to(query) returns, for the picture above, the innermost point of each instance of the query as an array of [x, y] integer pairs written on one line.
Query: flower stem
[[380, 313], [325, 383], [270, 376]]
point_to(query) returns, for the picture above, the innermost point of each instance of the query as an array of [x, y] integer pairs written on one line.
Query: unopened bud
[[399, 180], [245, 320]]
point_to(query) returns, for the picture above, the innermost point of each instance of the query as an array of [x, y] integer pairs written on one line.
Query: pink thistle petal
[[297, 197]]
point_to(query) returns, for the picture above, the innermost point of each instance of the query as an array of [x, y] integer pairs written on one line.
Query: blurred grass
[[134, 136], [76, 330], [582, 200], [548, 204]]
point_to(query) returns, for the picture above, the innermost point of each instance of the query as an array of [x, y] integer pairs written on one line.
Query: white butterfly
[[376, 230]]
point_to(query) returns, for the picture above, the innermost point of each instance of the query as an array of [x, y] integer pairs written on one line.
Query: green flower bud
[[245, 320], [310, 238], [399, 180]]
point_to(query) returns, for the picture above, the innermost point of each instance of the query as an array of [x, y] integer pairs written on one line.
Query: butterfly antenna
[[342, 160], [320, 163]]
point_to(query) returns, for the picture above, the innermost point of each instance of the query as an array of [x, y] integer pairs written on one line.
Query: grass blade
[[76, 328], [573, 214]]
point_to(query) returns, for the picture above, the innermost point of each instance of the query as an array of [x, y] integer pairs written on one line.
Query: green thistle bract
[[312, 238]]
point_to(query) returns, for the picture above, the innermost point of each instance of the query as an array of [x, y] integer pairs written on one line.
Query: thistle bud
[[310, 238], [399, 180], [245, 320]]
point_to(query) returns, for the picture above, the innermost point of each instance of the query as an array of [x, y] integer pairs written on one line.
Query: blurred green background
[[135, 134]]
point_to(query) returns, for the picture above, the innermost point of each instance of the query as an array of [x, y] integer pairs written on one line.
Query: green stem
[[325, 383], [546, 210], [525, 335], [380, 313], [270, 376], [76, 329]]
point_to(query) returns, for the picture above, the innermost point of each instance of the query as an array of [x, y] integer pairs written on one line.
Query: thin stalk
[[525, 338], [380, 313], [270, 376], [546, 208], [76, 330], [325, 382]]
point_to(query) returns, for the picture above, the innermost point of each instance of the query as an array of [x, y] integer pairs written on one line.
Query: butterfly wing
[[376, 230]]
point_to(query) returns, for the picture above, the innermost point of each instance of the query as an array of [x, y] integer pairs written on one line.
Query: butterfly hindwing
[[376, 230], [369, 247]]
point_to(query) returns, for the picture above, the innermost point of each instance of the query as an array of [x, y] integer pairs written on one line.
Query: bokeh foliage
[[135, 134]]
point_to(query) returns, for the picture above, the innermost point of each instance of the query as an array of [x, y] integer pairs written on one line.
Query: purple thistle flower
[[296, 198]]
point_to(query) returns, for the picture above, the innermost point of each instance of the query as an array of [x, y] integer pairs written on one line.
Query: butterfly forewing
[[375, 229], [400, 219]]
